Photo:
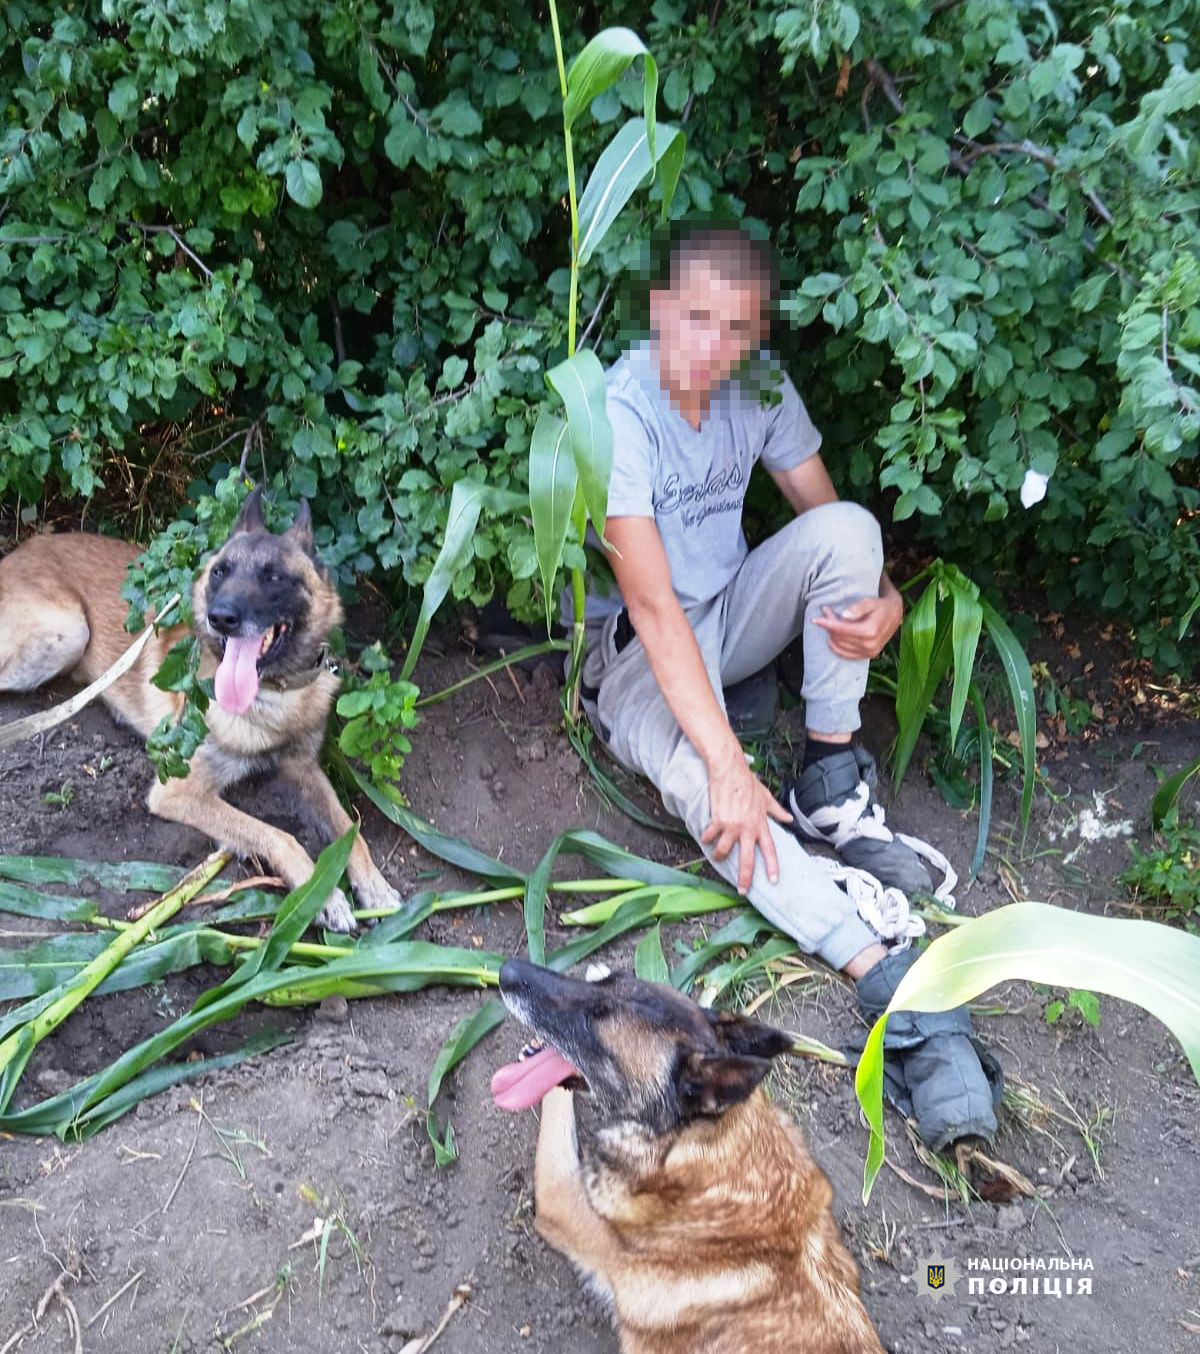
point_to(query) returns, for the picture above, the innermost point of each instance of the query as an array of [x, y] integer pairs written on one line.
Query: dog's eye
[[218, 571]]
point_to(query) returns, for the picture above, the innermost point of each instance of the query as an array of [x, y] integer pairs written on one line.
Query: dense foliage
[[329, 241]]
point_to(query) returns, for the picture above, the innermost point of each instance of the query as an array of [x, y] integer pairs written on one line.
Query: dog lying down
[[264, 607], [663, 1173]]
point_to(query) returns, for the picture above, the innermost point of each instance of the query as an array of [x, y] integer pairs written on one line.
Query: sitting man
[[692, 409]]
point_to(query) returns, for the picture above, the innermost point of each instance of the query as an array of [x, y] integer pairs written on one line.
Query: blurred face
[[705, 326]]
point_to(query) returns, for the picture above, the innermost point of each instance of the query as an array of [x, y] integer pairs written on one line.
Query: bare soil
[[213, 1227]]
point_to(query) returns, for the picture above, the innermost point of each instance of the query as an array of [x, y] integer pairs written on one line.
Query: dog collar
[[293, 681]]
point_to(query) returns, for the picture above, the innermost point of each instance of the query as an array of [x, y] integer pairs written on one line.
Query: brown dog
[[685, 1198], [264, 607]]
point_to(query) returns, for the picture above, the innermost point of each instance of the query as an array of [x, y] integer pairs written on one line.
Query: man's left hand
[[863, 628]]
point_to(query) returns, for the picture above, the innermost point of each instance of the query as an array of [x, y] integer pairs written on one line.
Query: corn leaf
[[579, 383], [965, 629], [925, 653], [600, 65], [38, 968], [737, 970], [986, 780], [671, 901], [402, 966], [552, 482], [22, 902], [124, 876], [463, 1038], [467, 499], [624, 163], [159, 1079], [535, 904], [418, 908], [1169, 791], [1020, 687], [630, 915], [19, 1016], [1153, 966], [649, 962], [295, 914], [622, 864], [744, 929], [451, 849]]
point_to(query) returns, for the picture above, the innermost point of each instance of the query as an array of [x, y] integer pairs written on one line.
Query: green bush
[[378, 711], [326, 241]]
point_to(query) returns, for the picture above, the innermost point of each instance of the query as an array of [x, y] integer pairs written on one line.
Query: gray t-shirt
[[693, 481]]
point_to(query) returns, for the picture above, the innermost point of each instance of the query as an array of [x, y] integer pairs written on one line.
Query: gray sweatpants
[[829, 556]]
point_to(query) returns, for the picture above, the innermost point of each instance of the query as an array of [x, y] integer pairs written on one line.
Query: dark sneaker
[[935, 1070], [833, 801], [750, 705]]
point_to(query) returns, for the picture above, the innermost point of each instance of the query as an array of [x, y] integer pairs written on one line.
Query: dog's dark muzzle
[[543, 999], [521, 979]]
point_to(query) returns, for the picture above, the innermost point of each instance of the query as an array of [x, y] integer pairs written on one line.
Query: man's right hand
[[741, 807]]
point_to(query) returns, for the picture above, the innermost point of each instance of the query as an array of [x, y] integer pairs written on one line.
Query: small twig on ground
[[258, 881], [422, 1343], [313, 1234], [279, 1287], [495, 693], [187, 1161], [132, 1155], [54, 1291], [513, 680], [255, 1297], [124, 1288], [175, 1343], [938, 1194]]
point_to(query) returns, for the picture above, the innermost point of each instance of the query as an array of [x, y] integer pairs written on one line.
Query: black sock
[[816, 748]]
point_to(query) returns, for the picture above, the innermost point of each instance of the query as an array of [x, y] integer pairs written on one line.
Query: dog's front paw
[[336, 915], [375, 892]]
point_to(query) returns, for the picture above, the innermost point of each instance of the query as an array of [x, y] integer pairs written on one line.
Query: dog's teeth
[[595, 973], [532, 1047]]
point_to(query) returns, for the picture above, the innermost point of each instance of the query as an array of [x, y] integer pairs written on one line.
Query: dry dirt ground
[[212, 1226]]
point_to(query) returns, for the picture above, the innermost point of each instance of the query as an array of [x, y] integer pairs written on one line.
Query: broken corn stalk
[[17, 1049]]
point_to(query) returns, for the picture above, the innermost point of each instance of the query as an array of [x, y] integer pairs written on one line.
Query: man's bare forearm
[[679, 670]]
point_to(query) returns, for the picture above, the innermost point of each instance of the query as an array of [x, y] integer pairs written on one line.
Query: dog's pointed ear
[[740, 1034], [250, 518], [709, 1084], [301, 530]]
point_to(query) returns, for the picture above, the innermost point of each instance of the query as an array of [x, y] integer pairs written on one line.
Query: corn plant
[[940, 638], [570, 454]]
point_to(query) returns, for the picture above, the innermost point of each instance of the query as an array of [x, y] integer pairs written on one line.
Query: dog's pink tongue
[[518, 1086], [237, 678]]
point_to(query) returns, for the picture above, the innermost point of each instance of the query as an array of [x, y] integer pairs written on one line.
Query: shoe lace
[[884, 908], [852, 818]]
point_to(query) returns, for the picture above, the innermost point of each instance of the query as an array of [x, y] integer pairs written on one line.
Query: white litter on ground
[[1093, 825]]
